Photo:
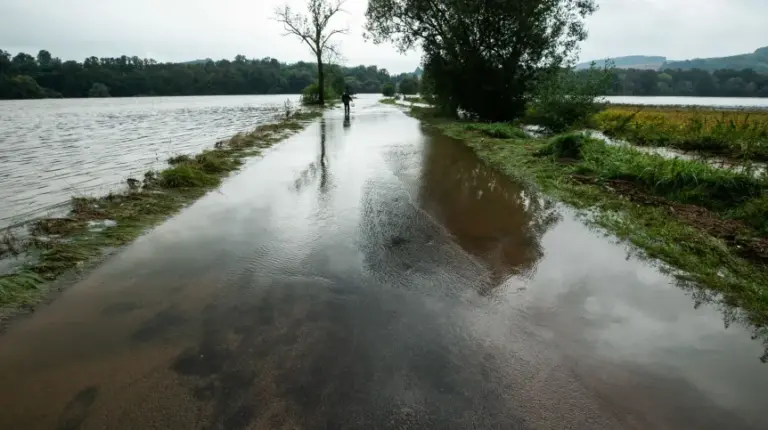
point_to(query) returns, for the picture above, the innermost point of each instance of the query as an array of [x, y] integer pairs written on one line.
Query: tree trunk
[[321, 80]]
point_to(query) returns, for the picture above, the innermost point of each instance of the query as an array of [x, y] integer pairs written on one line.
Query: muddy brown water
[[370, 274]]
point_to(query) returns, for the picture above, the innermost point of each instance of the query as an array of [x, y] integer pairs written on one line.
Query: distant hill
[[196, 61], [630, 62], [757, 60]]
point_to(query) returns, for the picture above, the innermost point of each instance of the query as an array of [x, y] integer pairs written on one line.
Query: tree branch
[[341, 31], [292, 23], [311, 27]]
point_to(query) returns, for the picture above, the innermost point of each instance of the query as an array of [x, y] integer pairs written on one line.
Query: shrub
[[409, 85], [388, 90], [567, 145], [311, 94], [568, 99]]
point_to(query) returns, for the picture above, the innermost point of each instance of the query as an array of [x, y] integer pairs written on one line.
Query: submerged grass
[[707, 224], [734, 134], [56, 246]]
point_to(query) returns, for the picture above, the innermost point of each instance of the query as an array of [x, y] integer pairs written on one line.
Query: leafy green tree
[[131, 76], [311, 94], [24, 64], [313, 30], [5, 62], [44, 58], [25, 87], [409, 85], [485, 56], [566, 100], [388, 90]]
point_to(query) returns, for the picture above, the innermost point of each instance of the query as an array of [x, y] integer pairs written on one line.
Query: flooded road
[[367, 274], [54, 149]]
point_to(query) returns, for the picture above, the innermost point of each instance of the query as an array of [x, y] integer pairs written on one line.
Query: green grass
[[586, 174], [414, 99], [57, 246], [734, 134], [501, 131]]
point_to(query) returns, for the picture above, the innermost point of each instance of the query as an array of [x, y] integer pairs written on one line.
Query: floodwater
[[51, 150], [368, 274], [755, 168], [722, 102]]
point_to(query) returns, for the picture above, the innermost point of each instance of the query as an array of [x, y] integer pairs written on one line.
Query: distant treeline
[[696, 82], [24, 76]]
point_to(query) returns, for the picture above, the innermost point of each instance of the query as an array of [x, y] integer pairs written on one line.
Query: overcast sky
[[180, 30]]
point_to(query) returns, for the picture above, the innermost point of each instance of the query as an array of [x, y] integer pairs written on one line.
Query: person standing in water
[[346, 98]]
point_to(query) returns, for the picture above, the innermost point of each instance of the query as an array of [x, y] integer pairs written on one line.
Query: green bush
[[567, 100], [567, 145], [388, 90], [311, 94], [409, 85]]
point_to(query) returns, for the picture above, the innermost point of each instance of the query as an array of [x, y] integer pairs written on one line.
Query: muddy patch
[[734, 233]]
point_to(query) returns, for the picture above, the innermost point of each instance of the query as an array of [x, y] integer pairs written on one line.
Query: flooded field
[[370, 274], [721, 102], [51, 150]]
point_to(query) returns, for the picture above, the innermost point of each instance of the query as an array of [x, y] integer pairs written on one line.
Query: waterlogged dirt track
[[366, 274]]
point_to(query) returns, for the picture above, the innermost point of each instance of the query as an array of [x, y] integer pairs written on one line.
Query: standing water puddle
[[368, 274]]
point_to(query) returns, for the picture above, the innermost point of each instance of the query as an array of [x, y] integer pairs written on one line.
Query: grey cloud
[[176, 30]]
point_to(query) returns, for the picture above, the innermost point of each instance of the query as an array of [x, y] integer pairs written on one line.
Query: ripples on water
[[51, 150]]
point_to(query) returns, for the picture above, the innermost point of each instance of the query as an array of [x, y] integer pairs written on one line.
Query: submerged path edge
[[53, 253]]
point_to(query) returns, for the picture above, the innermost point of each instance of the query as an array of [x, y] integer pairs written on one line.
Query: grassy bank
[[414, 99], [705, 222], [54, 246], [729, 133]]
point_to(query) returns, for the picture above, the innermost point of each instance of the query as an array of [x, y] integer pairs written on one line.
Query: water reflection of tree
[[731, 312], [317, 167], [419, 234], [725, 301], [491, 217]]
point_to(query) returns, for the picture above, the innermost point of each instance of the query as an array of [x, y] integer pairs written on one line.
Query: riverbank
[[705, 223], [35, 255]]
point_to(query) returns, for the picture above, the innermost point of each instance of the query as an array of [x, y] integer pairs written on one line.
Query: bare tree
[[313, 29]]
